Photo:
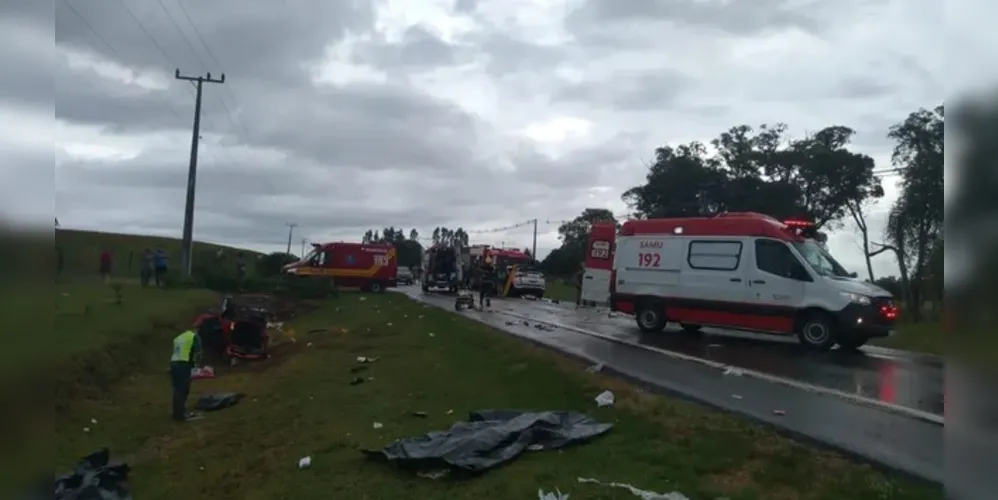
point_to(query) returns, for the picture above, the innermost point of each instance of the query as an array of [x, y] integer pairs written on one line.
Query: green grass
[[81, 252], [77, 348], [557, 289], [924, 337], [301, 403]]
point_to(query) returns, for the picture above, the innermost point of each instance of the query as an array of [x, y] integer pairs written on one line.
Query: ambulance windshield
[[820, 260]]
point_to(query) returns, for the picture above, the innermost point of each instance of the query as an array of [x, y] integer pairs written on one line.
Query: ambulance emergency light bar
[[805, 229]]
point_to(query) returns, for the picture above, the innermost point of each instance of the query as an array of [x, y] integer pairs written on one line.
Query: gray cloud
[[736, 18], [418, 145], [418, 49], [640, 91]]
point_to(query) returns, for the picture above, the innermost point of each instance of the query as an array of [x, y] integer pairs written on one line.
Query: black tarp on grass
[[95, 478], [489, 439]]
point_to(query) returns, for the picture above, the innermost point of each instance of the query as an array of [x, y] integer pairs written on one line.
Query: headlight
[[856, 298]]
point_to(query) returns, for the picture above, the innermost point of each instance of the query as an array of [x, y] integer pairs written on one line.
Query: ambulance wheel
[[375, 287], [816, 331], [651, 317]]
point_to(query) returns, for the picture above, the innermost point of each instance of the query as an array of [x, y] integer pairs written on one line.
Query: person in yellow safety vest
[[186, 348]]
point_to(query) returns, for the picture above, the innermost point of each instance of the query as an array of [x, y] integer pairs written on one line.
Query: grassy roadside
[[302, 403], [917, 337], [556, 289], [79, 347]]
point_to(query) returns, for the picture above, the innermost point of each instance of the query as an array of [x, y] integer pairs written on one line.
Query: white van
[[744, 271]]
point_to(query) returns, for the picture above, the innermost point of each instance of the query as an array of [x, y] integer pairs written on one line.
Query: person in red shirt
[[105, 265]]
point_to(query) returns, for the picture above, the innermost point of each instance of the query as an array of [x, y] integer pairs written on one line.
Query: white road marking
[[853, 398]]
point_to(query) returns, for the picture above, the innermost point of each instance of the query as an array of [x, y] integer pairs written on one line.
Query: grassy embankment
[[302, 403], [81, 252]]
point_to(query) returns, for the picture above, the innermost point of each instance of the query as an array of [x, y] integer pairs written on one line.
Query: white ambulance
[[745, 271]]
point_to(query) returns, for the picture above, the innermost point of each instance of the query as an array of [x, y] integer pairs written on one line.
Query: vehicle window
[[820, 260], [320, 258], [775, 257], [714, 255]]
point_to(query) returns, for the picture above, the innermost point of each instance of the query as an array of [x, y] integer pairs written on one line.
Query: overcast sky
[[349, 114]]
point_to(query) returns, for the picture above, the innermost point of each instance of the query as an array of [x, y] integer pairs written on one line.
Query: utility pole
[[291, 230], [303, 241], [186, 253], [533, 249]]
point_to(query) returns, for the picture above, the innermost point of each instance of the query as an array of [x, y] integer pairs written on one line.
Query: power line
[[121, 59]]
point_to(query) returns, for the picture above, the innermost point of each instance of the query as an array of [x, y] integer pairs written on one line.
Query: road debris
[[551, 495], [377, 425], [734, 372], [434, 474], [604, 399], [357, 381], [595, 368], [304, 462], [220, 401], [642, 494], [94, 477], [432, 335], [365, 359], [779, 413], [736, 396], [420, 414], [488, 439]]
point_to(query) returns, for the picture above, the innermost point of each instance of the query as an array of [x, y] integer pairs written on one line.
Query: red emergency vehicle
[[369, 266], [743, 271]]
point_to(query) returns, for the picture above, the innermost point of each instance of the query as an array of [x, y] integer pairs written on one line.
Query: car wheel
[[817, 332], [651, 317], [376, 287]]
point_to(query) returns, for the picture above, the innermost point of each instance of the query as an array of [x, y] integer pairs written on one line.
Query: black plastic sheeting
[[220, 401], [489, 439], [95, 478]]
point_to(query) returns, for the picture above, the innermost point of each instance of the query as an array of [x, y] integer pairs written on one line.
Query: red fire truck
[[369, 266], [743, 271]]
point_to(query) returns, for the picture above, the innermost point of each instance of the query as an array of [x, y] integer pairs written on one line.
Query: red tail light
[[889, 311]]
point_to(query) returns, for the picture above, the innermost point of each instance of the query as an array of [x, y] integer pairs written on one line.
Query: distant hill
[[81, 251]]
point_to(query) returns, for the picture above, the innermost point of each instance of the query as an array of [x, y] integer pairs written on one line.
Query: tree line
[[818, 177]]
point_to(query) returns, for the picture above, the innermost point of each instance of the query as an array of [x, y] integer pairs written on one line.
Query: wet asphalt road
[[893, 377], [896, 441]]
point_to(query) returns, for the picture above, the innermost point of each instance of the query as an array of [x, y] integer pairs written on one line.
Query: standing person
[[105, 266], [160, 262], [579, 276], [486, 283], [240, 265], [147, 267], [186, 349]]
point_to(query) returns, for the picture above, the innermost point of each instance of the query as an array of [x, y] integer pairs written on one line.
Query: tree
[[574, 234], [757, 171], [410, 251], [857, 209], [915, 224], [414, 235]]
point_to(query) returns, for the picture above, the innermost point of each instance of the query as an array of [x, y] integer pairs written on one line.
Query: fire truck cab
[[745, 271]]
